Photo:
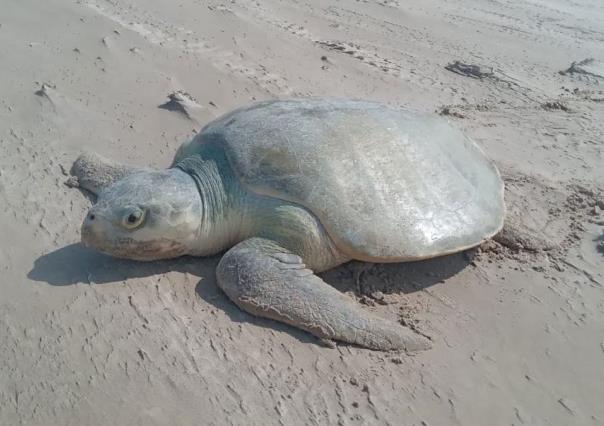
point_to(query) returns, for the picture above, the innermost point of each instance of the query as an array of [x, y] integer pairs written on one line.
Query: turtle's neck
[[221, 214]]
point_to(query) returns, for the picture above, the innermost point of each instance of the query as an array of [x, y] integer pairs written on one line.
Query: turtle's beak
[[90, 230]]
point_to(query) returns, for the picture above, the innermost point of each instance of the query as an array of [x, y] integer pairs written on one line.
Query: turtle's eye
[[133, 218]]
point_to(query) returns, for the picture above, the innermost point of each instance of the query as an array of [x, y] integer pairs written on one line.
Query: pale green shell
[[387, 184]]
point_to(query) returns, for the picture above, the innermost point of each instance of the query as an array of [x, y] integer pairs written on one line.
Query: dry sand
[[86, 339]]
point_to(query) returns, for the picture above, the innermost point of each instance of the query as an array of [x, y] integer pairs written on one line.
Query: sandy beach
[[517, 324]]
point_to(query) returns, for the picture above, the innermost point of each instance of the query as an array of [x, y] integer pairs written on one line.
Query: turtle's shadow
[[74, 264], [397, 278]]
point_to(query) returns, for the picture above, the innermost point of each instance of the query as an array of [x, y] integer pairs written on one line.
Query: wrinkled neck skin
[[221, 215]]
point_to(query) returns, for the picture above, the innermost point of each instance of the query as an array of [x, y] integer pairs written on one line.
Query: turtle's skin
[[295, 187]]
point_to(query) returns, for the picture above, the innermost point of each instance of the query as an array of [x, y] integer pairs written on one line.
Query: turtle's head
[[146, 216]]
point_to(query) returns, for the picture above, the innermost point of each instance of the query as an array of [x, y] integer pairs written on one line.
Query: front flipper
[[95, 173], [267, 280]]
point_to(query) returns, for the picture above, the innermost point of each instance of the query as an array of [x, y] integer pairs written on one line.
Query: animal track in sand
[[160, 33], [541, 229], [369, 58]]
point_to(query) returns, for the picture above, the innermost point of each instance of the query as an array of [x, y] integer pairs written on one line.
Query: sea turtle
[[295, 187]]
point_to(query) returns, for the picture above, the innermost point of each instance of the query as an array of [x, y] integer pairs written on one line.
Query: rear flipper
[[95, 173], [267, 280]]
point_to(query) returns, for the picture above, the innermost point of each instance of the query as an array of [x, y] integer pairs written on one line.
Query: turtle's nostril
[[91, 216]]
